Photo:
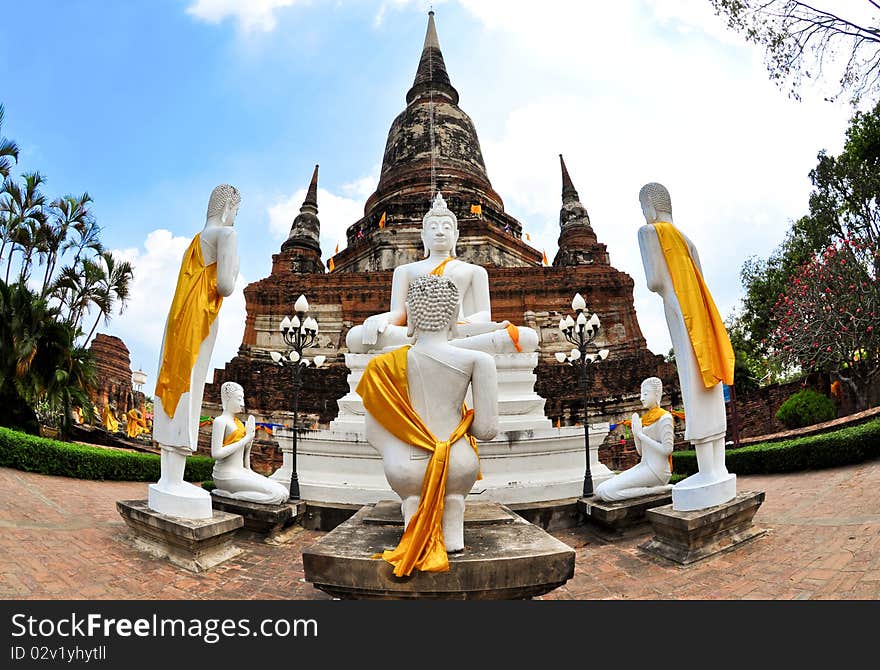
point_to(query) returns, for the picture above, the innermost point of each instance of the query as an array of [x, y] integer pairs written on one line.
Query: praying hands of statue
[[638, 434], [250, 431]]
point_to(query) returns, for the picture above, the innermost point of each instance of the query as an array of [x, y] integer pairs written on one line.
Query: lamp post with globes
[[581, 331], [299, 333]]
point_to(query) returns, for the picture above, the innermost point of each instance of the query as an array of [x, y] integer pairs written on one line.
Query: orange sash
[[236, 434], [195, 305], [653, 415], [385, 392], [701, 318]]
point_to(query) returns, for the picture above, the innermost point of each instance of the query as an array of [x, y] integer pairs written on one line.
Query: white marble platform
[[528, 461]]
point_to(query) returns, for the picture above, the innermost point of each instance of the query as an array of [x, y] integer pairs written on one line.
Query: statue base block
[[687, 537], [505, 558], [265, 520], [615, 520], [193, 544]]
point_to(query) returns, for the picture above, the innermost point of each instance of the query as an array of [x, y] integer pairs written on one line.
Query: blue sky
[[148, 105]]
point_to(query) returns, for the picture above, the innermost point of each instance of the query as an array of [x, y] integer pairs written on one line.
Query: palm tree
[[38, 360], [8, 150], [68, 213], [84, 224], [77, 287], [24, 319], [114, 285], [22, 208]]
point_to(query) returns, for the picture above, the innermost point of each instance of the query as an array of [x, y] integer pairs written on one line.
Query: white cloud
[[335, 212], [703, 120], [252, 15], [156, 266]]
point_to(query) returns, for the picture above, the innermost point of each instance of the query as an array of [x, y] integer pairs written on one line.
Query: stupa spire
[[431, 76], [305, 233], [569, 192], [577, 240], [311, 200]]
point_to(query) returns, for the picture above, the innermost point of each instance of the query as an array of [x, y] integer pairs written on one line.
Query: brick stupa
[[523, 290]]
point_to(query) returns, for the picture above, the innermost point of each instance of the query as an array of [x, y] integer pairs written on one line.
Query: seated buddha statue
[[474, 329]]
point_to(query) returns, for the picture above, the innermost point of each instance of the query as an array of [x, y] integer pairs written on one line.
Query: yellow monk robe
[[385, 392], [704, 325], [136, 424], [512, 330], [109, 420], [195, 306], [236, 434], [653, 415]]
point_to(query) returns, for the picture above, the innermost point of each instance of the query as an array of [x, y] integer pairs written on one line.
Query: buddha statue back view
[[431, 379]]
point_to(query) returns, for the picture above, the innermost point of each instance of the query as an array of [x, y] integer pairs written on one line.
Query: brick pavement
[[62, 539]]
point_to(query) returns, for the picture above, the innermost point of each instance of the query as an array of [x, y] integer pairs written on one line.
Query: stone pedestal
[[268, 521], [193, 544], [505, 558], [618, 519], [686, 537]]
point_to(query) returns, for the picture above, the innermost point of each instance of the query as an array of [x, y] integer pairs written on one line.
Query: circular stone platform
[[505, 558]]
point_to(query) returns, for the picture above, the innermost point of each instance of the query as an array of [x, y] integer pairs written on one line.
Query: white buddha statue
[[703, 354], [653, 434], [207, 274], [475, 328], [415, 418], [231, 442]]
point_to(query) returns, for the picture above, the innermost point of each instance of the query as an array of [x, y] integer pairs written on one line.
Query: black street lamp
[[581, 331], [299, 333]]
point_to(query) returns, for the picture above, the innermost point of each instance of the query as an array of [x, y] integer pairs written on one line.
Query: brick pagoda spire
[[302, 249], [577, 240], [432, 145]]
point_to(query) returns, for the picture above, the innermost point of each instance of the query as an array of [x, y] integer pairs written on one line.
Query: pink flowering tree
[[828, 317]]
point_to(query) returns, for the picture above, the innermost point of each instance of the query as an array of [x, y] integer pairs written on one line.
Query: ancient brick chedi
[[432, 145], [113, 367]]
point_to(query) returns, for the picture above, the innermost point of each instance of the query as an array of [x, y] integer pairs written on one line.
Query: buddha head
[[656, 203], [232, 397], [652, 392], [224, 202], [431, 305], [439, 228]]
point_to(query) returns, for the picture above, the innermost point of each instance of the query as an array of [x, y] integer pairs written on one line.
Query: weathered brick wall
[[113, 373], [757, 411]]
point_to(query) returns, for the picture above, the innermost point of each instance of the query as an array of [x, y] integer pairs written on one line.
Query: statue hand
[[636, 425], [374, 325], [250, 428]]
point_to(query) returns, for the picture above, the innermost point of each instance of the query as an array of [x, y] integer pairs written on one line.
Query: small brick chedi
[[433, 146]]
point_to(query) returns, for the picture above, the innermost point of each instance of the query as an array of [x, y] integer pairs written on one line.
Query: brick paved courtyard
[[63, 539]]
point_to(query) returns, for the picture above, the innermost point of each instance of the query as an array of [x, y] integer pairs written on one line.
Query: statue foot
[[182, 500], [703, 490]]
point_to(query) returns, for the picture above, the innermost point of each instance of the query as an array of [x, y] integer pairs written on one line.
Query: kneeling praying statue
[[653, 436]]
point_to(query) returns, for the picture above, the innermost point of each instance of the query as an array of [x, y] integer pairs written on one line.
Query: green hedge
[[67, 459], [826, 450]]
